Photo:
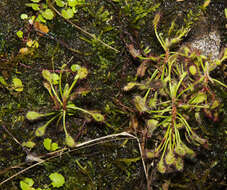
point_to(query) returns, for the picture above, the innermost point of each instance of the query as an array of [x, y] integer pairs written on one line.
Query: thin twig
[[79, 146]]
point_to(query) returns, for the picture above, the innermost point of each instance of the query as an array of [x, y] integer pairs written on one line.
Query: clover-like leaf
[[57, 179]]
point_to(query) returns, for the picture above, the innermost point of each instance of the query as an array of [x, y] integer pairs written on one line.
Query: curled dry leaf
[[41, 27]]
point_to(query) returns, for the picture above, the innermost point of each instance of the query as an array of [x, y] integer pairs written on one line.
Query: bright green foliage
[[28, 144], [17, 85], [64, 108], [32, 115], [47, 143], [67, 13], [20, 34], [48, 14], [57, 179], [27, 184]]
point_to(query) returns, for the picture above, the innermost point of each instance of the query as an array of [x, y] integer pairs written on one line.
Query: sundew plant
[[174, 97], [64, 107]]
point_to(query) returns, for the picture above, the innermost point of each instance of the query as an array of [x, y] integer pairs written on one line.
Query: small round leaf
[[57, 179]]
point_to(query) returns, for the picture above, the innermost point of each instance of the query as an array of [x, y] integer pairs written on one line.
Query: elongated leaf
[[32, 115]]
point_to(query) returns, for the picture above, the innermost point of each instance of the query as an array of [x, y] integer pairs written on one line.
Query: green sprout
[[61, 97]]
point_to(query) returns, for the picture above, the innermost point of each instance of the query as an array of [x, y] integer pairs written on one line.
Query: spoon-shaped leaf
[[69, 141], [41, 131], [46, 75], [32, 115], [82, 72]]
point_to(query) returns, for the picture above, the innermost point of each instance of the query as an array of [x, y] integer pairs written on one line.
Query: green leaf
[[69, 141], [35, 1], [179, 163], [75, 67], [2, 81], [48, 14], [180, 149], [192, 69], [34, 6], [17, 85], [161, 166], [47, 143], [28, 144], [23, 16], [26, 184], [40, 131], [151, 125], [67, 13], [72, 3], [55, 78], [225, 12], [170, 158], [60, 3], [82, 72], [57, 179], [199, 98], [46, 75], [54, 146], [32, 115], [140, 103], [130, 85], [40, 19], [98, 116]]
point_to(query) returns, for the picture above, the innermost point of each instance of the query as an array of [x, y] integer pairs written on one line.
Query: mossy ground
[[108, 73]]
